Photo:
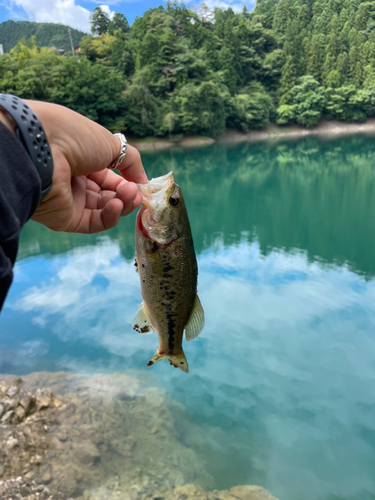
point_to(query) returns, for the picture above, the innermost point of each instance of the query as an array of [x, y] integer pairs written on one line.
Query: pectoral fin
[[196, 321], [141, 322]]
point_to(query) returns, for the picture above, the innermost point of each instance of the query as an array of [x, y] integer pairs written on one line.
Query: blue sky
[[75, 13]]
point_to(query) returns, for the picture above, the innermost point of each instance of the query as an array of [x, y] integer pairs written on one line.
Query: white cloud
[[107, 10], [55, 11], [111, 2], [236, 5]]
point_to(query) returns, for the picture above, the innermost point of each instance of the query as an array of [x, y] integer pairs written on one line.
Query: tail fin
[[177, 360]]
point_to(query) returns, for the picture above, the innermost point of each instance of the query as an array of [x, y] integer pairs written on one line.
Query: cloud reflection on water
[[238, 285], [95, 294], [279, 299], [288, 354]]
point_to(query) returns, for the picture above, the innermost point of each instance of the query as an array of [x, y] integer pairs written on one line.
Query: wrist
[[8, 121], [30, 132]]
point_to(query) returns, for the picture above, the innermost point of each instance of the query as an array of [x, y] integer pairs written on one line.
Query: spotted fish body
[[168, 271]]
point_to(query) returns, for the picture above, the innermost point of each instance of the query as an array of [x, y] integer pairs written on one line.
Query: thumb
[[86, 146]]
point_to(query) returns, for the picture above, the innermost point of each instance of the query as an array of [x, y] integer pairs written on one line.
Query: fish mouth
[[155, 189]]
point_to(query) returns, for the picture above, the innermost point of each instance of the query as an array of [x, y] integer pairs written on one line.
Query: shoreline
[[328, 129]]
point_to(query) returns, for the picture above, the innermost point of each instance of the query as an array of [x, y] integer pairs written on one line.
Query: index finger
[[131, 167]]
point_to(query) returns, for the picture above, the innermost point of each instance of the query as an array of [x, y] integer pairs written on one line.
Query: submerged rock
[[23, 439], [23, 489], [191, 491], [101, 437]]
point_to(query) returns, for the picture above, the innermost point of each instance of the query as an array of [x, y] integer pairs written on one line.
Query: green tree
[[328, 67], [363, 102], [283, 15], [271, 70], [31, 72], [353, 61], [286, 114], [99, 22], [343, 18], [143, 111], [118, 23], [358, 76], [333, 39], [98, 49], [92, 90], [251, 110], [201, 108], [333, 79], [341, 106], [315, 56], [343, 67], [362, 16], [308, 99], [288, 79]]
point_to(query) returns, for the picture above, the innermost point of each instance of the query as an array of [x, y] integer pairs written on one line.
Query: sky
[[76, 13]]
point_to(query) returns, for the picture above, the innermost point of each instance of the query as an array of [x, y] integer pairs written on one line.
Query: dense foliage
[[177, 71], [46, 34]]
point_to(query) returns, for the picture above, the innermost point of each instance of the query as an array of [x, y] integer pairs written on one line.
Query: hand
[[85, 196]]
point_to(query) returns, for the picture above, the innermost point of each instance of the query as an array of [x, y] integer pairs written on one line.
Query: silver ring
[[124, 145]]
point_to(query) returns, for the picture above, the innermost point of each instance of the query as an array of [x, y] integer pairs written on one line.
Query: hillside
[[46, 34]]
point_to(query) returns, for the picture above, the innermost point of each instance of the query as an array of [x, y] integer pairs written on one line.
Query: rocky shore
[[110, 437]]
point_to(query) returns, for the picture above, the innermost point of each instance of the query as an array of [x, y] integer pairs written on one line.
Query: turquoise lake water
[[282, 379]]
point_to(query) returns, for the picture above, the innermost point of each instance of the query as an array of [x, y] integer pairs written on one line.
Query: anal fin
[[141, 323]]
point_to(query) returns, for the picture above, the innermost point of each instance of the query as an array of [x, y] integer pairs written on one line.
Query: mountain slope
[[46, 34]]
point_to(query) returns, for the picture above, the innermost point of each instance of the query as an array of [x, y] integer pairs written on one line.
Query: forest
[[176, 71], [46, 34]]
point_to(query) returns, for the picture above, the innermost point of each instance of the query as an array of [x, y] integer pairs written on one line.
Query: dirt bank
[[159, 143], [107, 437], [326, 129]]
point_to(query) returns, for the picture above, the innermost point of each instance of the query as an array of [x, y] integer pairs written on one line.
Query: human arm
[[85, 196], [19, 197]]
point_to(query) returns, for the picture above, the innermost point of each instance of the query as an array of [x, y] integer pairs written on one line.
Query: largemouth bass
[[168, 270]]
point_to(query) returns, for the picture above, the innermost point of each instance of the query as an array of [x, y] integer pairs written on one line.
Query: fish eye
[[174, 200]]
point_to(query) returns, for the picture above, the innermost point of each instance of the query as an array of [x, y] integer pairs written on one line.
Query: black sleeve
[[20, 190]]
